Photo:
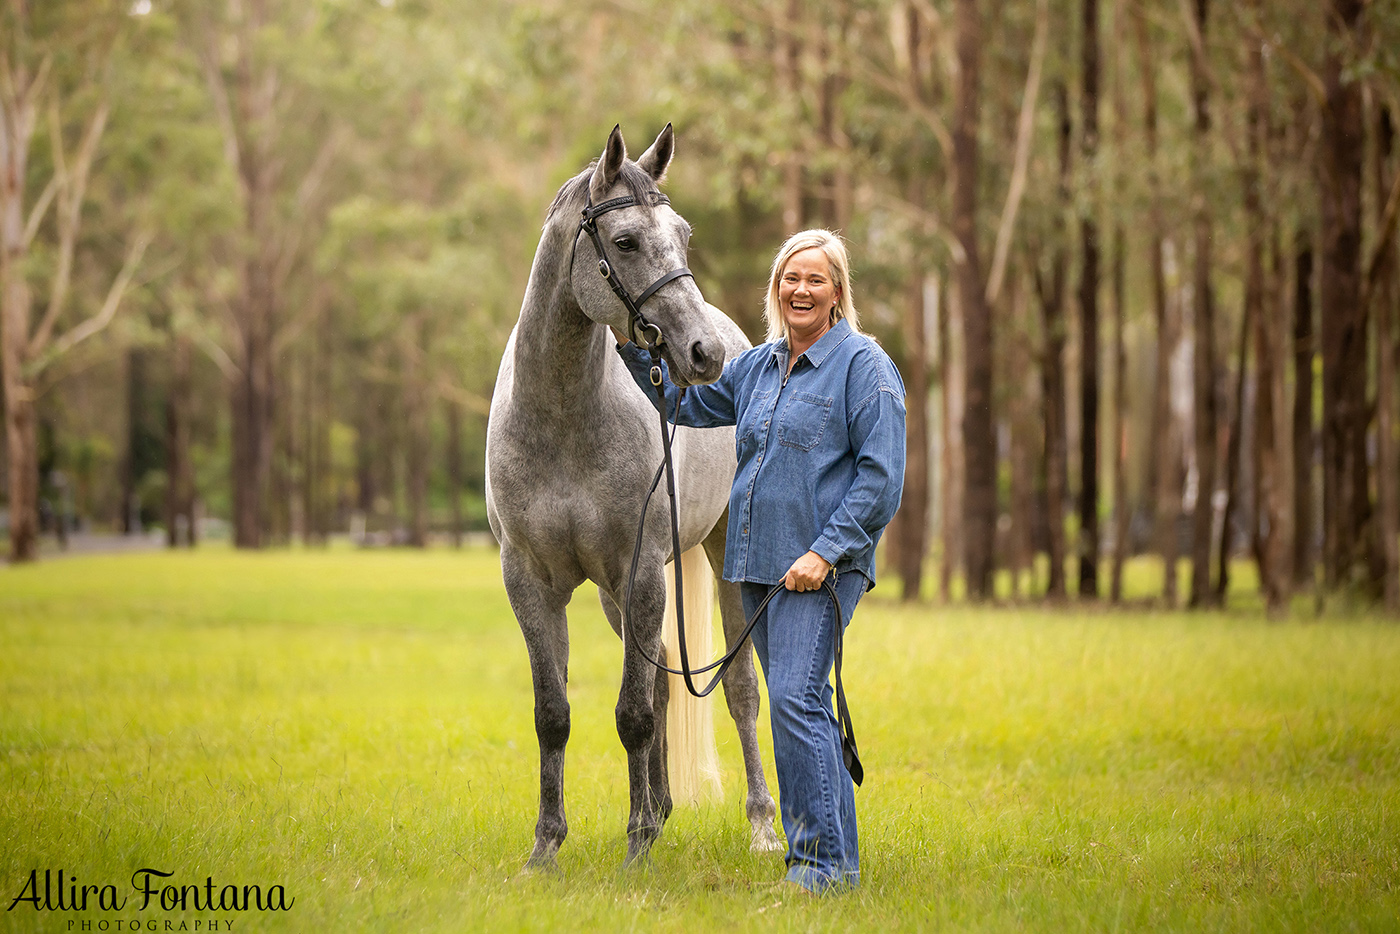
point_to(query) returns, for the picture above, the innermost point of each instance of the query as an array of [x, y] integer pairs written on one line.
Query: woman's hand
[[807, 573]]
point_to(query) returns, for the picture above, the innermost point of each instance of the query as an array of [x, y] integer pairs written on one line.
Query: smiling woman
[[819, 412]]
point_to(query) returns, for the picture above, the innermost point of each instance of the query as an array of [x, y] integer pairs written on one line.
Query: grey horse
[[571, 448]]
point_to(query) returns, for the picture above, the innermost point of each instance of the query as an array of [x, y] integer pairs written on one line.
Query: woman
[[819, 411]]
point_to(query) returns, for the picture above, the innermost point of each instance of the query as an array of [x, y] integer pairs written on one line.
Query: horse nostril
[[698, 358]]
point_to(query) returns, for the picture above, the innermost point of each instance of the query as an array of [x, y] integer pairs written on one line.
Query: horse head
[[642, 244]]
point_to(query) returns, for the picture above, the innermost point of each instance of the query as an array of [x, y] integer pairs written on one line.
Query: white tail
[[693, 762]]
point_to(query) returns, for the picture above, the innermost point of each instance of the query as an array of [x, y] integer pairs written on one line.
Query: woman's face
[[807, 295]]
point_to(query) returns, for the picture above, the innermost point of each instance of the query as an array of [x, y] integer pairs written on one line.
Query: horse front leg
[[657, 769], [540, 612], [636, 713], [741, 697]]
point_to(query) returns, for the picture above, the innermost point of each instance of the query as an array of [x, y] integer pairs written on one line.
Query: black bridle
[[635, 320], [652, 341]]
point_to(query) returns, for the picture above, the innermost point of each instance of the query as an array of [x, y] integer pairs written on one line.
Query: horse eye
[[626, 244]]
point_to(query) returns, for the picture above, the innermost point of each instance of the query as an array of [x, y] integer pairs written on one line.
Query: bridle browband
[[636, 321], [652, 341]]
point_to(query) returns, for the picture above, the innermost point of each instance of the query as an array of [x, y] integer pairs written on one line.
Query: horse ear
[[655, 160], [614, 154]]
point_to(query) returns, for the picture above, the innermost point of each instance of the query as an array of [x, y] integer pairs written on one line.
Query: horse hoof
[[639, 848], [764, 840], [541, 862]]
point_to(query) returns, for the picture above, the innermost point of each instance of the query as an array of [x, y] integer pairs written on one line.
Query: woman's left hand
[[807, 573]]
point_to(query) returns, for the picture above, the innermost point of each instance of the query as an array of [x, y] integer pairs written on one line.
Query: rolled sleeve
[[878, 438], [707, 406]]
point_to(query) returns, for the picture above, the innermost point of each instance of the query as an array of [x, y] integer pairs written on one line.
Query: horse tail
[[693, 761]]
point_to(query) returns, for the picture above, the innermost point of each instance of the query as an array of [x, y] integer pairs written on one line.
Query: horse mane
[[574, 192]]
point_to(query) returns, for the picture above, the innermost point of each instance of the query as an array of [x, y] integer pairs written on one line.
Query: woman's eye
[[626, 244]]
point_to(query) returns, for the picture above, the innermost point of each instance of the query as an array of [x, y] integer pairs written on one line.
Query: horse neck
[[559, 351]]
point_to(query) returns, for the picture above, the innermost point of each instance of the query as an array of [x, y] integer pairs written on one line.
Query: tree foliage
[[315, 221]]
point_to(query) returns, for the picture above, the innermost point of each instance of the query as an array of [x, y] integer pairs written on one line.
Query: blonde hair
[[840, 264]]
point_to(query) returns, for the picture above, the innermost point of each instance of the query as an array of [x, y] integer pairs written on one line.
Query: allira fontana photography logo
[[149, 890]]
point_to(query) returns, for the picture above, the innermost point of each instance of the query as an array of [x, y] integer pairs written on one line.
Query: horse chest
[[564, 496]]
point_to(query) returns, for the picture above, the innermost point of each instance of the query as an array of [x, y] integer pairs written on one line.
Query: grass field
[[357, 727]]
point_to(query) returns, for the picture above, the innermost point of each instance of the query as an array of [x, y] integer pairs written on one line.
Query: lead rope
[[849, 753]]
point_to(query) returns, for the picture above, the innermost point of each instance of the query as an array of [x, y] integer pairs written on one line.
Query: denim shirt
[[821, 453]]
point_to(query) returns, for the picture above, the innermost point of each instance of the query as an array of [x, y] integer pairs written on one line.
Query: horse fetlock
[[639, 841], [549, 836], [761, 812]]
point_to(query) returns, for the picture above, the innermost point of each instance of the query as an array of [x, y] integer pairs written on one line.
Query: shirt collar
[[818, 352]]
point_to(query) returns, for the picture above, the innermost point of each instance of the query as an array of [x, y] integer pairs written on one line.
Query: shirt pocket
[[747, 433], [803, 421]]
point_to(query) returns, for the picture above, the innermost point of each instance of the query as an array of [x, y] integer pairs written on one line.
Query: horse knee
[[635, 727], [552, 723]]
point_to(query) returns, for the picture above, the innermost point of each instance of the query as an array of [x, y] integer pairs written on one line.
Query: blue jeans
[[795, 641]]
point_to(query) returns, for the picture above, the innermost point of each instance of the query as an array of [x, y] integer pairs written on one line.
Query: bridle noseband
[[636, 321]]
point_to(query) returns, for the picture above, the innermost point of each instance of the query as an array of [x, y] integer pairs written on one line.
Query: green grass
[[358, 728]]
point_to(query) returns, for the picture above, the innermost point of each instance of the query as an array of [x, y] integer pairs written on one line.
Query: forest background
[[1135, 260]]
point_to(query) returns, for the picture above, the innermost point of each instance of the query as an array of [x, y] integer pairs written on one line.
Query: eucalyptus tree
[[61, 68], [269, 69]]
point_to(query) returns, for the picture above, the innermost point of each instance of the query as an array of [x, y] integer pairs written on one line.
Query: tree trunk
[[909, 531], [21, 436], [180, 527], [1304, 444], [1088, 547], [1024, 431], [835, 185], [1055, 448], [1235, 429], [951, 376], [911, 527], [1122, 524], [252, 400], [1345, 349], [129, 521], [1123, 508], [980, 463], [415, 402], [454, 469], [1387, 467], [17, 115], [1162, 487], [1204, 329], [790, 67], [1265, 310]]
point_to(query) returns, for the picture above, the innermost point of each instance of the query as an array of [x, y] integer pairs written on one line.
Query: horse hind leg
[[741, 696], [540, 612]]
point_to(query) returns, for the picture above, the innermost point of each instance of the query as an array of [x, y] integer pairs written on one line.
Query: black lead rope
[[849, 752]]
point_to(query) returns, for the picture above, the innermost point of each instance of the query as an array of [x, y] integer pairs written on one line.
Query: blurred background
[[1135, 260]]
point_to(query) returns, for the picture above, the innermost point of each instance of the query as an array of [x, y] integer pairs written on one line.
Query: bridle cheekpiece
[[637, 324]]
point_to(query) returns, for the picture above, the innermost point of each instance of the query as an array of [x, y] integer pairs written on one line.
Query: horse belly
[[705, 467]]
